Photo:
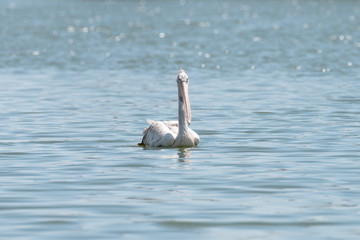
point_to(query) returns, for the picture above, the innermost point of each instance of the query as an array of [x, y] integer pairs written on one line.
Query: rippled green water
[[274, 90]]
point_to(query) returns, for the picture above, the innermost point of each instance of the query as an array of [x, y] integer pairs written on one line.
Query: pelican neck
[[181, 114]]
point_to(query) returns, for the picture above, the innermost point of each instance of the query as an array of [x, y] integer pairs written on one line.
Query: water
[[274, 90]]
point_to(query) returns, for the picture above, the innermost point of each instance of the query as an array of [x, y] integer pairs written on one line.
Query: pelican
[[173, 133]]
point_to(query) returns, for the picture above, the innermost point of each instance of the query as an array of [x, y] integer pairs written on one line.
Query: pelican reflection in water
[[173, 133]]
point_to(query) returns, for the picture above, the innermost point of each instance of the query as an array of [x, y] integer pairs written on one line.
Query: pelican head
[[183, 81]]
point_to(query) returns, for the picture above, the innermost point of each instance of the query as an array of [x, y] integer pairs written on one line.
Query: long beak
[[185, 96]]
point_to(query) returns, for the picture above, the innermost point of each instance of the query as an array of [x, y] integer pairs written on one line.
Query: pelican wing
[[173, 126], [160, 133]]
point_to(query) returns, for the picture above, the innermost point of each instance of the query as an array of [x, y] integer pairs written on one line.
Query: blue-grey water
[[274, 90]]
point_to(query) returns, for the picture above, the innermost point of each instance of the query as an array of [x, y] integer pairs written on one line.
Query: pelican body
[[173, 133]]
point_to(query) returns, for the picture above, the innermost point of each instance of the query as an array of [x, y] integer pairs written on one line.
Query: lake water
[[274, 90]]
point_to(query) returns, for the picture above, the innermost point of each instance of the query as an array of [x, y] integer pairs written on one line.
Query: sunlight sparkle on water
[[35, 52]]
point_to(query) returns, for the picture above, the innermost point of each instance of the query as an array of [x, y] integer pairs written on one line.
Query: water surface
[[274, 95]]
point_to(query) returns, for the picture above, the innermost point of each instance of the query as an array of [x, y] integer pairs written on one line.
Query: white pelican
[[173, 133]]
